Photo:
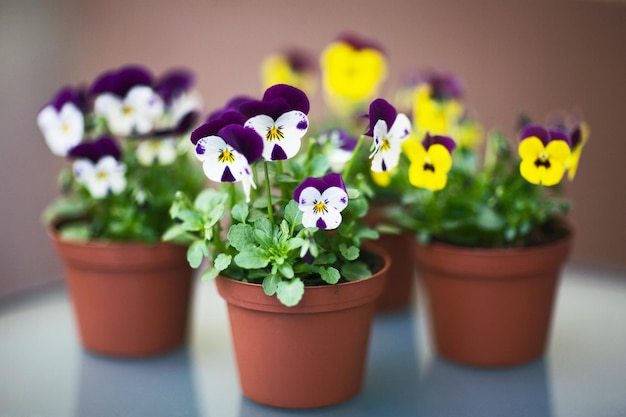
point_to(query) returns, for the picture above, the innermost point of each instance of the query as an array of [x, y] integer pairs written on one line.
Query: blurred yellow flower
[[292, 68]]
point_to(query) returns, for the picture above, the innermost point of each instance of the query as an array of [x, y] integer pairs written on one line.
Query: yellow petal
[[554, 174], [414, 150], [529, 171], [530, 148], [572, 164], [440, 158], [382, 179], [558, 150]]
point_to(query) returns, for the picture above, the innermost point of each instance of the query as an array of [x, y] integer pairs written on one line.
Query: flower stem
[[346, 171], [268, 190]]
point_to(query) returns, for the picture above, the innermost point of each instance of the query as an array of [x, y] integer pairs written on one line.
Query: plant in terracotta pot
[[288, 248], [122, 135], [490, 245]]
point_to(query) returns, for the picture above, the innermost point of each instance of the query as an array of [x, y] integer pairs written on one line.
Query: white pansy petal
[[380, 131], [338, 159], [83, 169], [112, 108], [386, 160], [308, 197], [185, 104], [146, 152], [248, 182], [336, 197], [309, 218], [167, 151], [262, 125], [332, 218], [144, 101], [209, 147], [48, 118], [400, 129]]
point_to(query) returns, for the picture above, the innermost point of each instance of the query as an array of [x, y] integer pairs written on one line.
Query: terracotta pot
[[491, 307], [310, 355], [129, 299], [398, 291]]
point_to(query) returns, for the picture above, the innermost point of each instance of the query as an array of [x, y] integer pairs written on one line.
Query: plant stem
[[232, 191], [346, 171], [268, 190]]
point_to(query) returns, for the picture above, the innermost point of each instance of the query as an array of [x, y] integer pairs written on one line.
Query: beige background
[[512, 56]]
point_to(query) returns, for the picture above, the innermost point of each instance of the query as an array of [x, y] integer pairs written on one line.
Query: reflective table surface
[[45, 372]]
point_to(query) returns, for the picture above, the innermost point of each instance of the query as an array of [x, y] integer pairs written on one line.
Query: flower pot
[[310, 355], [398, 291], [491, 307], [129, 299]]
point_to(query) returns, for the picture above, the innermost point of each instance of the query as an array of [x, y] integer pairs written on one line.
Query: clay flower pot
[[309, 355], [398, 291], [129, 299], [491, 307]]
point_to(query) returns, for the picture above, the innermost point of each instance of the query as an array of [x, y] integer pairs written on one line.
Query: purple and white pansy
[[227, 151], [127, 101], [389, 129], [340, 147], [280, 118], [62, 122], [98, 168], [321, 201]]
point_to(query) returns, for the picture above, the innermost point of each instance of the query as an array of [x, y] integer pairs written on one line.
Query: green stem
[[346, 171], [232, 192], [279, 171], [268, 190]]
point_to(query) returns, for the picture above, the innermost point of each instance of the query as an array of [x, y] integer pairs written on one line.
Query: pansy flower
[[430, 161], [339, 145], [227, 151], [544, 154], [389, 129], [280, 118], [174, 88], [127, 101], [159, 151], [98, 168], [62, 122], [353, 69], [578, 137], [321, 201], [293, 66]]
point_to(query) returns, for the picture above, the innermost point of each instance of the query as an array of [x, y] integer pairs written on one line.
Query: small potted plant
[[491, 244], [122, 135], [288, 249]]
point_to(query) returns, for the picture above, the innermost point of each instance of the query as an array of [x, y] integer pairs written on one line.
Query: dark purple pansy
[[96, 150], [444, 86], [119, 82], [321, 184], [300, 61], [174, 83], [544, 135], [213, 126], [380, 109], [233, 105], [277, 100], [445, 141], [69, 95]]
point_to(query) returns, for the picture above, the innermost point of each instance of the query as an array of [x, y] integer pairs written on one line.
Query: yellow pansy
[[431, 161], [544, 155], [281, 68], [438, 117]]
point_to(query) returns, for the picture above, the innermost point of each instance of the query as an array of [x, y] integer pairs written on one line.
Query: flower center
[[101, 175], [65, 128], [429, 167], [274, 133], [320, 207], [385, 145], [542, 161], [226, 157], [127, 110]]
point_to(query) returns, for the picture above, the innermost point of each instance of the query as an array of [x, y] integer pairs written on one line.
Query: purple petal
[[67, 95], [380, 109], [320, 223], [559, 135], [358, 42], [183, 126], [346, 142], [576, 136], [300, 60], [316, 183], [173, 84], [121, 81], [244, 140], [233, 105], [207, 129], [295, 98], [537, 131], [227, 176], [96, 150], [273, 109], [445, 141], [334, 179], [278, 154]]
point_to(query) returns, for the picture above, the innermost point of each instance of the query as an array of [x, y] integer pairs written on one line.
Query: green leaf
[[77, 232], [196, 253], [286, 270], [191, 220], [330, 275], [318, 166], [294, 243], [290, 292], [284, 228], [222, 261], [264, 225], [350, 253], [177, 233], [353, 271], [209, 198], [240, 212], [353, 193], [368, 233], [209, 274], [285, 178], [270, 284], [251, 258], [292, 213], [240, 236]]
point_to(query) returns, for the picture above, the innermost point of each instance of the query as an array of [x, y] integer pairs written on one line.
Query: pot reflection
[[391, 379], [160, 386], [447, 389]]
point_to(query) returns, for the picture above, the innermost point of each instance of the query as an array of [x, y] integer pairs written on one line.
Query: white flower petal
[[112, 108], [61, 130], [332, 218], [336, 197], [185, 104], [400, 129], [308, 196]]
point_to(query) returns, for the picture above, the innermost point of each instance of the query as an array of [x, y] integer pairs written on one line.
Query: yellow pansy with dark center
[[430, 161], [544, 155]]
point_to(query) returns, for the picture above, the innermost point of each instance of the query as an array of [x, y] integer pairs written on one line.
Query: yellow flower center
[[65, 128], [385, 145], [127, 110], [101, 175], [542, 160], [274, 133], [320, 207], [226, 157]]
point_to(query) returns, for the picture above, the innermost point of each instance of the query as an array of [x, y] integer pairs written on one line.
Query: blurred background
[[512, 56]]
